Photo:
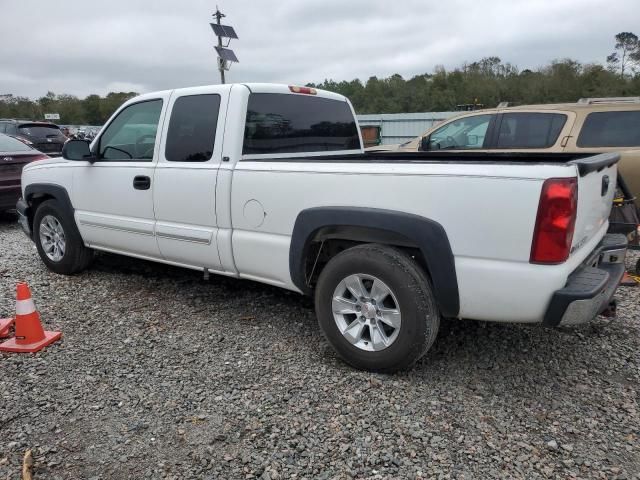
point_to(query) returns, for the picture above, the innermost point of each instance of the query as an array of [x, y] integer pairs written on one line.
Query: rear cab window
[[279, 123], [529, 130], [610, 129]]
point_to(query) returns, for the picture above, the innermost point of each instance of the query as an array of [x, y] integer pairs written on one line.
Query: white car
[[270, 183]]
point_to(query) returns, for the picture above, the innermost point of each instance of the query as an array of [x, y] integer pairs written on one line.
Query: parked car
[[14, 155], [44, 136], [270, 183], [592, 125]]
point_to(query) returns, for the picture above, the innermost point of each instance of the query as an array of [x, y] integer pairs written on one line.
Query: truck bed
[[586, 162], [441, 156]]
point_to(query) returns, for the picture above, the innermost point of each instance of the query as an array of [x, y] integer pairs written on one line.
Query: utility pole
[[225, 55], [219, 15]]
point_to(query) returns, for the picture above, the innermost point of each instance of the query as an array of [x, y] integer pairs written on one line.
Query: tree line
[[92, 110], [488, 82]]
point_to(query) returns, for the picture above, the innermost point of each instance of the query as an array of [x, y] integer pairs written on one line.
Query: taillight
[[305, 90], [555, 222]]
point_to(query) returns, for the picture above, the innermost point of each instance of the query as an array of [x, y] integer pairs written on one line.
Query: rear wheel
[[376, 308], [58, 241]]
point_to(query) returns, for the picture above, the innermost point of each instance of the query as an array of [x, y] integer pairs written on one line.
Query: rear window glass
[[281, 123], [192, 128], [530, 130], [44, 131], [10, 144], [610, 129]]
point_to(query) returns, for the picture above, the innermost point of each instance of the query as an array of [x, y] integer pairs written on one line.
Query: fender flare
[[430, 237], [58, 192]]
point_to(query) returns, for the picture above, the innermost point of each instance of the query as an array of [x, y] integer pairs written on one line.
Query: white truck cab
[[270, 183]]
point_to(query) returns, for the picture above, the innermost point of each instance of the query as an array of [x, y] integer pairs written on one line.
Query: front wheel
[[58, 241], [376, 308]]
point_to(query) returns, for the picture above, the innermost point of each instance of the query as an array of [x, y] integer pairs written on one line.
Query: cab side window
[[530, 130], [463, 134], [192, 128], [131, 136], [610, 129]]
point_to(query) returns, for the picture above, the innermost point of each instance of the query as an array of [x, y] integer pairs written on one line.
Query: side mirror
[[77, 150], [425, 144], [472, 139]]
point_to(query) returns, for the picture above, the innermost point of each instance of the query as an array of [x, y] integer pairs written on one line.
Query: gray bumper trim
[[23, 217], [590, 288]]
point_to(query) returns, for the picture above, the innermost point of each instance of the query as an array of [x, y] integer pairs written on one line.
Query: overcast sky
[[132, 45]]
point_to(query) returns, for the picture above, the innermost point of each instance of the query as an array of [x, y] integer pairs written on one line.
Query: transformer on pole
[[225, 55]]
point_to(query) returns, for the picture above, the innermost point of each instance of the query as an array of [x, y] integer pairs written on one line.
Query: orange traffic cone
[[628, 281], [5, 326], [30, 336]]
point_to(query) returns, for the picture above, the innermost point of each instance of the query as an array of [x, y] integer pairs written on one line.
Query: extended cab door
[[185, 178], [113, 197]]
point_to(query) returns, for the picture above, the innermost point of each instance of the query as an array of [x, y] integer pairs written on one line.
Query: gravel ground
[[163, 375]]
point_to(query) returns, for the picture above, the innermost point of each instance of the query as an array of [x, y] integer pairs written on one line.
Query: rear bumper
[[590, 288], [8, 196], [23, 217]]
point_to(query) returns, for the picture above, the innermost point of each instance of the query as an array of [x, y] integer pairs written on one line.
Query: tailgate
[[596, 187]]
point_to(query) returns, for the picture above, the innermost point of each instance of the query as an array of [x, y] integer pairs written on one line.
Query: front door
[[185, 177], [113, 197]]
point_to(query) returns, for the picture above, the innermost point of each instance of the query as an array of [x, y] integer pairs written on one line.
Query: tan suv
[[589, 125]]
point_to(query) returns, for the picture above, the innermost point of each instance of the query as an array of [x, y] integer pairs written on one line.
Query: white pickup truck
[[270, 183]]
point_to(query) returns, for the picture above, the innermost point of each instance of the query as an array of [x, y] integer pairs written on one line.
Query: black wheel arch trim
[[56, 191], [430, 237], [35, 190]]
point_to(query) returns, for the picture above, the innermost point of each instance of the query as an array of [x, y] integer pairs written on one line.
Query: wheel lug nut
[[358, 308]]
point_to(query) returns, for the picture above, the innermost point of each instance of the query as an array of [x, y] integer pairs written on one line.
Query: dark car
[[14, 155], [44, 136]]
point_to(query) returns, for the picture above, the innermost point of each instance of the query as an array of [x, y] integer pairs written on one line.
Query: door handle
[[141, 182]]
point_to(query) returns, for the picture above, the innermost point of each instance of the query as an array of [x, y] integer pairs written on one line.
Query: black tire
[[412, 289], [76, 256]]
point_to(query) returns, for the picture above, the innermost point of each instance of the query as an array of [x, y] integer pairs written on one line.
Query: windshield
[[9, 144]]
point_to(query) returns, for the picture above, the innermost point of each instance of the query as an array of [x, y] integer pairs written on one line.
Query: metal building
[[392, 128]]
